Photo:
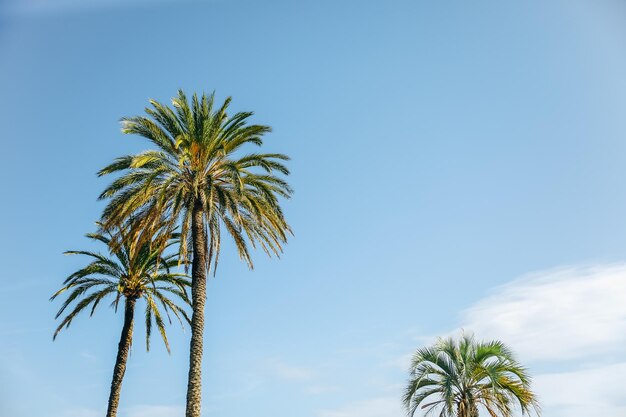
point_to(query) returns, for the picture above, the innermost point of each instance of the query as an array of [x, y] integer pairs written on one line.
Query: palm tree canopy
[[459, 378], [199, 165], [136, 272]]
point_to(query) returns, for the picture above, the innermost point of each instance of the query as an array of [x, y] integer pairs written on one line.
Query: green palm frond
[[462, 377], [197, 163], [129, 271]]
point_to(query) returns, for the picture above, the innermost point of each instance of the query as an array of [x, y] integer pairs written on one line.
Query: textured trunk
[[459, 410], [198, 297], [466, 409], [122, 356]]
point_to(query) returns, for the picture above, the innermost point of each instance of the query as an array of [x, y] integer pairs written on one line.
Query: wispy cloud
[[587, 392], [565, 313], [570, 323]]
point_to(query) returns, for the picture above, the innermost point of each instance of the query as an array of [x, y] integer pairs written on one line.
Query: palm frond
[[457, 377], [134, 269]]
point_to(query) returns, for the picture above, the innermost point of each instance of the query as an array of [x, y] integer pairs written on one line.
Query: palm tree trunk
[[461, 411], [123, 349], [198, 297], [466, 409]]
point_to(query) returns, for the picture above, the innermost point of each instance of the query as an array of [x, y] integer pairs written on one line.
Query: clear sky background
[[457, 165]]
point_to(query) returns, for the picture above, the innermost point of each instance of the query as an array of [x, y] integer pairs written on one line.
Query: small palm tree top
[[199, 166], [130, 272], [459, 378]]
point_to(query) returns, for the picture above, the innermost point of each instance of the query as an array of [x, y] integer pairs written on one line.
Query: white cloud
[[375, 407], [597, 391], [571, 324], [560, 314]]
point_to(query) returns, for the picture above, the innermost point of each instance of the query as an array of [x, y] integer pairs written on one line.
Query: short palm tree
[[459, 378], [200, 178], [128, 273]]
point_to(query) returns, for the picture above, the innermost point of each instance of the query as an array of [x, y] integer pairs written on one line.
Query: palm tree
[[130, 274], [458, 378], [199, 178]]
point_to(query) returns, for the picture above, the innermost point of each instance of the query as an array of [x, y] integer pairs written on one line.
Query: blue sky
[[456, 165]]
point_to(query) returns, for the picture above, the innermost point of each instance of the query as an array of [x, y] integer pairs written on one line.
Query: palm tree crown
[[130, 273], [458, 378], [198, 166]]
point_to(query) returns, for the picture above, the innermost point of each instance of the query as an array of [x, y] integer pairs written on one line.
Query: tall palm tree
[[459, 378], [200, 178], [128, 273]]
